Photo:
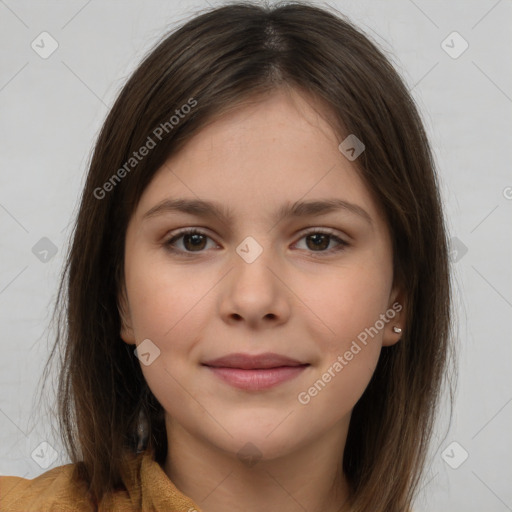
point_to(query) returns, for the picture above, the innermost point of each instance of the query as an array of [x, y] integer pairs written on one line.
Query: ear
[[396, 317], [123, 307]]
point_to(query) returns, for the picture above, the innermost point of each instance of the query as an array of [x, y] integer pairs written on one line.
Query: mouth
[[255, 373]]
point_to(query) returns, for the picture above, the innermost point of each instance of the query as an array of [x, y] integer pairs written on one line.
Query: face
[[313, 285]]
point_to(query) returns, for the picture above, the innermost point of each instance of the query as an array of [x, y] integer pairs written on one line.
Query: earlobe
[[126, 331], [396, 319], [393, 330], [126, 334]]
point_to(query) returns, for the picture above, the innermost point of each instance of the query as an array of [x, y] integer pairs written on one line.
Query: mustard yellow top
[[146, 488]]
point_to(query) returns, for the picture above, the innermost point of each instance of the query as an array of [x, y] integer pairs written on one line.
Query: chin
[[258, 441]]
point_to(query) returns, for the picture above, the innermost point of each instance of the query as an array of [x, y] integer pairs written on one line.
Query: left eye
[[194, 240], [321, 240]]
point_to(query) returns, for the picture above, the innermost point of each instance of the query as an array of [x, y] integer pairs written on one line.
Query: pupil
[[316, 237], [196, 240]]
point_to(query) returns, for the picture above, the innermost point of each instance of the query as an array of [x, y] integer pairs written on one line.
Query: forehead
[[270, 151]]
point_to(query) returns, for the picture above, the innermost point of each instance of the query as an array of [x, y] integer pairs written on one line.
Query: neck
[[310, 478]]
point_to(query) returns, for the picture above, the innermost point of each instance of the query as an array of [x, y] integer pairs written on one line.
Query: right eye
[[194, 241]]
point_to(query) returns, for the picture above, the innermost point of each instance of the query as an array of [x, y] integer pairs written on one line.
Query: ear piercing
[[397, 329]]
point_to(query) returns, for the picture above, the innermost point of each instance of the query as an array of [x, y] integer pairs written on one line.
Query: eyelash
[[194, 231]]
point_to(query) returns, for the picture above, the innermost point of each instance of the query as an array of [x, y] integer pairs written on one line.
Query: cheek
[[349, 356], [169, 305], [345, 318], [165, 300], [346, 300]]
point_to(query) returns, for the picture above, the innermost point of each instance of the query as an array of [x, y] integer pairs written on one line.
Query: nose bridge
[[253, 258], [253, 292], [250, 250]]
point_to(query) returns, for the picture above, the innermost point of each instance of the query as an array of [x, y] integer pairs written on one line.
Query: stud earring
[[397, 329]]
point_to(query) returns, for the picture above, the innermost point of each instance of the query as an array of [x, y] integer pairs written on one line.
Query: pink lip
[[255, 372]]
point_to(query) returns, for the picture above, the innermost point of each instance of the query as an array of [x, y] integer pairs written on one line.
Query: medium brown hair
[[222, 58]]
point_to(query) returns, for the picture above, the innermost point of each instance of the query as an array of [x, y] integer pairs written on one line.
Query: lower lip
[[255, 380]]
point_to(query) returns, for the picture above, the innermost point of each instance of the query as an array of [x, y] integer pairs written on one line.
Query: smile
[[255, 372], [257, 379]]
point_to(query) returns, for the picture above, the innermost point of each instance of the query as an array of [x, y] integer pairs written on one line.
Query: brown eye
[[319, 241], [192, 241], [195, 241]]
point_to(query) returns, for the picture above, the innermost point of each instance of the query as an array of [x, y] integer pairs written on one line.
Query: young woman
[[256, 302]]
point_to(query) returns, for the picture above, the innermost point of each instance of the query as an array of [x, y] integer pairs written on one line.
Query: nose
[[254, 292]]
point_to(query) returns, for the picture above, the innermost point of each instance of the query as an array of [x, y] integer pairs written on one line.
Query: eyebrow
[[201, 208]]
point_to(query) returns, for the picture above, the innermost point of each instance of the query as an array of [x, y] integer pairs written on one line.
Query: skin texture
[[294, 299]]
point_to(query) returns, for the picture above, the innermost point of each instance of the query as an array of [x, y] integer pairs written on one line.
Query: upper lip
[[251, 362]]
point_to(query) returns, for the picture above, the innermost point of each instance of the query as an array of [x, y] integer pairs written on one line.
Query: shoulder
[[145, 487], [54, 491]]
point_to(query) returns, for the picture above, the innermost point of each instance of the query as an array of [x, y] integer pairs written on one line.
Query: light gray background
[[51, 111]]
